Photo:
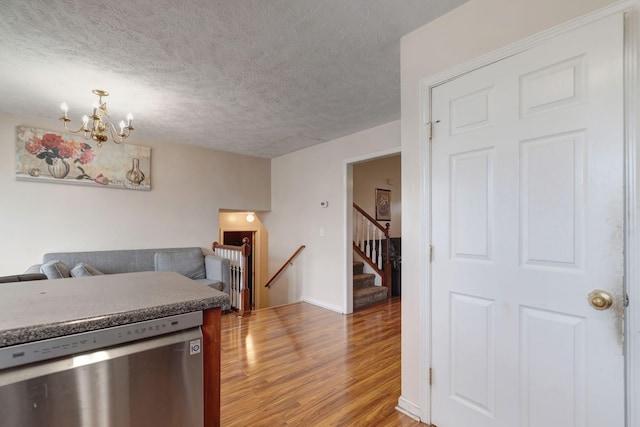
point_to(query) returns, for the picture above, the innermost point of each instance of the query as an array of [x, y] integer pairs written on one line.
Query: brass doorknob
[[600, 300]]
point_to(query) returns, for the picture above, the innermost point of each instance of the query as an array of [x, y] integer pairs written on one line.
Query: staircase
[[364, 291]]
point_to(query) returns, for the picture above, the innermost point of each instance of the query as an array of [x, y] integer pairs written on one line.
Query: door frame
[[631, 10]]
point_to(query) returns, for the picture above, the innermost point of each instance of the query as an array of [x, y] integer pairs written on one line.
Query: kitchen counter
[[42, 309]]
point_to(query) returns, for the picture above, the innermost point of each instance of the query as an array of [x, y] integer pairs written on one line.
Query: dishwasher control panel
[[37, 351]]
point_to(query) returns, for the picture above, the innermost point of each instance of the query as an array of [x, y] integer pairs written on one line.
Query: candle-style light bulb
[[130, 118], [64, 108], [122, 125], [85, 120], [95, 108]]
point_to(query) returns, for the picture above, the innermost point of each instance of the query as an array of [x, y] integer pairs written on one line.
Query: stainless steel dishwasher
[[136, 375]]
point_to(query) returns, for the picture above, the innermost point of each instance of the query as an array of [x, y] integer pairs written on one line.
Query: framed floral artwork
[[66, 158], [383, 205]]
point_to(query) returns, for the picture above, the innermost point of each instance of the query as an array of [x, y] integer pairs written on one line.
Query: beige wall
[[473, 29], [379, 173], [299, 182], [189, 186]]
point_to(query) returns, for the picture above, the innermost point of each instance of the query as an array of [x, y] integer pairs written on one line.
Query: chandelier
[[97, 129]]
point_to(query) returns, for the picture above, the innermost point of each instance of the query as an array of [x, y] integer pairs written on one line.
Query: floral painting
[[383, 205], [66, 158]]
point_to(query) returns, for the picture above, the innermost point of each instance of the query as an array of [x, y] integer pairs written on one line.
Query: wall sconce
[[250, 217]]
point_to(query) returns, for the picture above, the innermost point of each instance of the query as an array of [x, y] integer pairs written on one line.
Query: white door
[[527, 220]]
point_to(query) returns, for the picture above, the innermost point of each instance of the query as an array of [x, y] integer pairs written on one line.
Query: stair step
[[364, 280], [369, 295], [358, 267]]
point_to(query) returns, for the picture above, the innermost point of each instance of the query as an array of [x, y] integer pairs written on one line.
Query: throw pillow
[[188, 263], [84, 270], [55, 270]]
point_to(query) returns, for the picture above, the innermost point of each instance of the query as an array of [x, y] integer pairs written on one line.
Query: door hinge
[[430, 129], [430, 376], [625, 300], [430, 253]]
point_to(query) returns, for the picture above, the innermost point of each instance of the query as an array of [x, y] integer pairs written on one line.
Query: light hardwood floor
[[301, 365]]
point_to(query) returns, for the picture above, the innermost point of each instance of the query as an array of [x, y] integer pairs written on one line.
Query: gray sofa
[[210, 270]]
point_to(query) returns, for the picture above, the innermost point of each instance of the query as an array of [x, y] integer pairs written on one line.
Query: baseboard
[[408, 408], [323, 304]]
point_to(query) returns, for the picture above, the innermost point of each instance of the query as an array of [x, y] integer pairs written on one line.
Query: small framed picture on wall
[[383, 205]]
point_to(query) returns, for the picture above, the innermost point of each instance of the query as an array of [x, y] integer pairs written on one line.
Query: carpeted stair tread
[[369, 295], [364, 290], [358, 267], [363, 280]]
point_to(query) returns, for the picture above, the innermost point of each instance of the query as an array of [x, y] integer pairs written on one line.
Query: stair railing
[[284, 266], [368, 236], [239, 259]]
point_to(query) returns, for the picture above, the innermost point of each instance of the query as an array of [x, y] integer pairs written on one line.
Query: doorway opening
[[366, 177], [232, 228]]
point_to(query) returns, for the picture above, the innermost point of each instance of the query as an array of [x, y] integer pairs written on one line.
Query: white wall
[[379, 173], [189, 186], [299, 182], [473, 29]]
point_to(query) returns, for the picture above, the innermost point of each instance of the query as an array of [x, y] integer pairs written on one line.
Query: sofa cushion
[[55, 269], [189, 263], [23, 277], [83, 270]]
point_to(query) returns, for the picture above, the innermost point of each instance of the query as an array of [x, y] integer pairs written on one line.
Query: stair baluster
[[372, 242], [356, 228]]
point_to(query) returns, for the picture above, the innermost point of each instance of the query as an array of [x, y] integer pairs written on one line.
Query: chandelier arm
[[114, 133], [82, 128]]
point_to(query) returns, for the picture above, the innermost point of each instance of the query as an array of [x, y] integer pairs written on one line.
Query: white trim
[[632, 246], [320, 303], [632, 231], [348, 217], [375, 155], [408, 408], [424, 272], [348, 234]]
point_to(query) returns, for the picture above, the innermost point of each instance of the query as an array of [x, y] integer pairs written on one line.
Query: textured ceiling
[[257, 77]]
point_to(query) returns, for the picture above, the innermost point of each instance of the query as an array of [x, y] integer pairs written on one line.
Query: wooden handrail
[[289, 261], [373, 221], [245, 249]]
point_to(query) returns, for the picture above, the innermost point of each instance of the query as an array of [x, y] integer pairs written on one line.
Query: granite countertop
[[42, 309]]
